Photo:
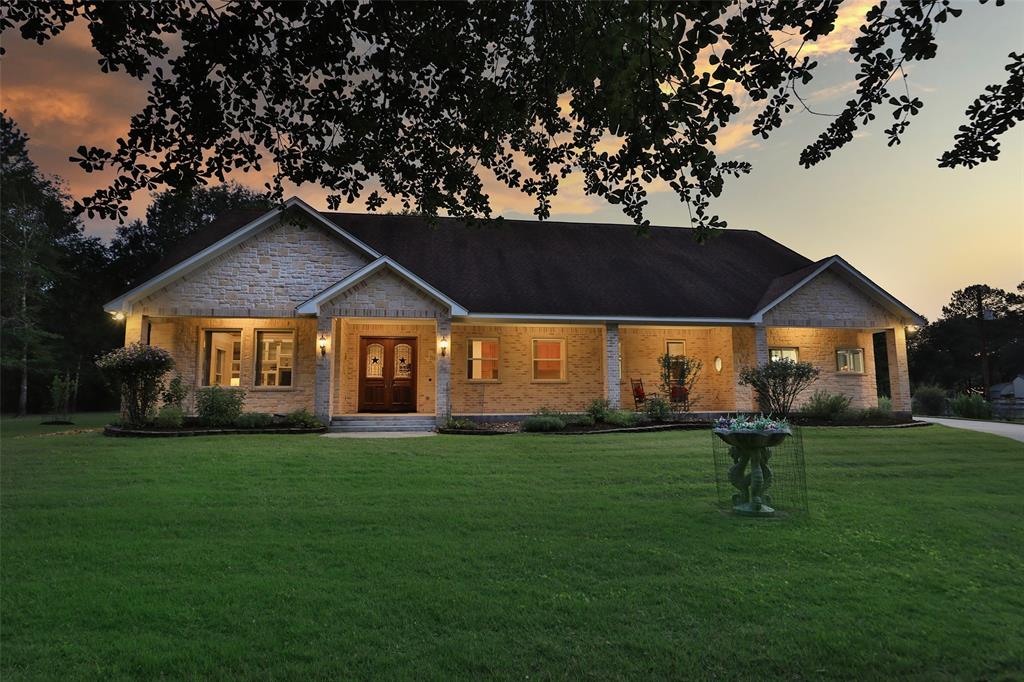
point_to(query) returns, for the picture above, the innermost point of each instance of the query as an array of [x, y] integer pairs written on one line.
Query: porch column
[[612, 366], [136, 329], [443, 371], [899, 376], [324, 369], [761, 344]]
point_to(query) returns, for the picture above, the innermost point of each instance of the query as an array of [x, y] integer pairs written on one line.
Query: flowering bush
[[758, 423], [137, 370]]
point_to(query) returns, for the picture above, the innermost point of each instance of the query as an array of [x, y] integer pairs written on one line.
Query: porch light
[[718, 363], [322, 343], [443, 345], [911, 328], [118, 316]]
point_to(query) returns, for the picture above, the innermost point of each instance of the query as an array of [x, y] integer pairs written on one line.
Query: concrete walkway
[[379, 434], [1006, 429]]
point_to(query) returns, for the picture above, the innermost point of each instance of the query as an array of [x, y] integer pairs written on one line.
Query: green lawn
[[526, 556]]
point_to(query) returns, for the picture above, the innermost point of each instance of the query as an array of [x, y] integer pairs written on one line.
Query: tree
[[33, 223], [979, 340], [426, 102]]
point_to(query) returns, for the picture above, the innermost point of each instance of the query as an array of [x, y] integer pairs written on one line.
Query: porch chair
[[639, 395]]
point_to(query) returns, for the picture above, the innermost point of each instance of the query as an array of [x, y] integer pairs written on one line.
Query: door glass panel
[[374, 361], [403, 361]]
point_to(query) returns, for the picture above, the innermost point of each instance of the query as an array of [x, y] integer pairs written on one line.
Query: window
[[850, 360], [374, 361], [548, 359], [482, 360], [675, 348], [274, 358], [783, 354], [403, 361], [222, 358]]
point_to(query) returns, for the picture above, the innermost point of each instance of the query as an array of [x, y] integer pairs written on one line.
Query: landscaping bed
[[157, 432], [504, 428]]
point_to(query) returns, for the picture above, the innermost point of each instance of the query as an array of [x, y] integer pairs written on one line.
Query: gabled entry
[[387, 374]]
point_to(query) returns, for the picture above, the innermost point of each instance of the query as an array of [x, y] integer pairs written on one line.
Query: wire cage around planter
[[787, 476]]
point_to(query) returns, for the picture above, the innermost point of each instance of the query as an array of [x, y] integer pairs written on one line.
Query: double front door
[[387, 374]]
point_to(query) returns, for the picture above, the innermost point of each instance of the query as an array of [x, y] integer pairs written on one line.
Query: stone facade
[[612, 366], [828, 301], [266, 275], [383, 294]]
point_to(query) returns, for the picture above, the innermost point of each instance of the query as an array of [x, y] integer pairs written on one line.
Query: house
[[344, 314]]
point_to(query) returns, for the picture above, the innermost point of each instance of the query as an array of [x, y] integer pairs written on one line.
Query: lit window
[[548, 359], [274, 358], [783, 354], [482, 359], [222, 358], [675, 348], [850, 360]]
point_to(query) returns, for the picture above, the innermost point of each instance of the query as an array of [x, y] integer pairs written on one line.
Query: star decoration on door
[[375, 360]]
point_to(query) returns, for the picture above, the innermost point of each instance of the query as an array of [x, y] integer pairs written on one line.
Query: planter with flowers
[[750, 440]]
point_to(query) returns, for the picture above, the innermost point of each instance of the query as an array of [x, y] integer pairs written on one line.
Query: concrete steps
[[385, 422]]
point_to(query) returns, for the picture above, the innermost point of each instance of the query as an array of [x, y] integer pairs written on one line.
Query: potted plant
[[750, 440]]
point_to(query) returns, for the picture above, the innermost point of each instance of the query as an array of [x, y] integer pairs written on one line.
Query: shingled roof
[[561, 268]]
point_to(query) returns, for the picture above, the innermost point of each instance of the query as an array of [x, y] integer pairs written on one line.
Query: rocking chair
[[639, 395]]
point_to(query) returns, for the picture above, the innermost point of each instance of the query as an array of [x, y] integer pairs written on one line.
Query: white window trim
[[792, 348], [533, 362], [204, 362], [863, 362], [470, 358], [256, 350]]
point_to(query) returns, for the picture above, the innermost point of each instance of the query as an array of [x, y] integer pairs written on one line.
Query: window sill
[[850, 374], [272, 389], [549, 381], [483, 381]]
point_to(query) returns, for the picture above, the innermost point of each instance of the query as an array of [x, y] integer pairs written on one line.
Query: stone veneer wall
[[819, 346], [267, 275], [829, 301], [346, 389], [515, 392], [182, 336], [383, 294], [641, 347]]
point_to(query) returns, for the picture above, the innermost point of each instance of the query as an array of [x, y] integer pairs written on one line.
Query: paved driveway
[[1014, 431]]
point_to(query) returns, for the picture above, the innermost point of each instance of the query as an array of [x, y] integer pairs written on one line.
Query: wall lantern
[[443, 344], [118, 316], [322, 343], [718, 363], [911, 328]]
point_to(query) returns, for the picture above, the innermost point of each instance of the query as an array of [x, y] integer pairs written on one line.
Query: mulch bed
[[119, 432]]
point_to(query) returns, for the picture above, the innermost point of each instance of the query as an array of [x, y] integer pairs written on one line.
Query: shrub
[[885, 404], [254, 420], [657, 409], [175, 392], [778, 383], [459, 424], [584, 419], [218, 406], [929, 400], [971, 406], [622, 418], [61, 390], [543, 422], [170, 417], [303, 419], [678, 375], [137, 371], [598, 409], [826, 406]]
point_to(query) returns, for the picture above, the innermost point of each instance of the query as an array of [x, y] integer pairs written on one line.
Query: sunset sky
[[917, 230]]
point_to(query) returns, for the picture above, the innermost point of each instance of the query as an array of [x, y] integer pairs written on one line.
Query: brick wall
[[267, 275], [515, 392], [640, 348], [818, 346], [182, 337]]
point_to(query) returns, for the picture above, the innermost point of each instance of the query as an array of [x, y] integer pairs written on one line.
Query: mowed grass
[[526, 556]]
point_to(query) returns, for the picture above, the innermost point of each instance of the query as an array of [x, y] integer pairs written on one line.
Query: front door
[[387, 374]]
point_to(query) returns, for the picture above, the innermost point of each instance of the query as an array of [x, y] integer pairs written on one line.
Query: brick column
[[443, 372], [324, 369], [612, 366], [744, 354], [899, 376], [761, 344]]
